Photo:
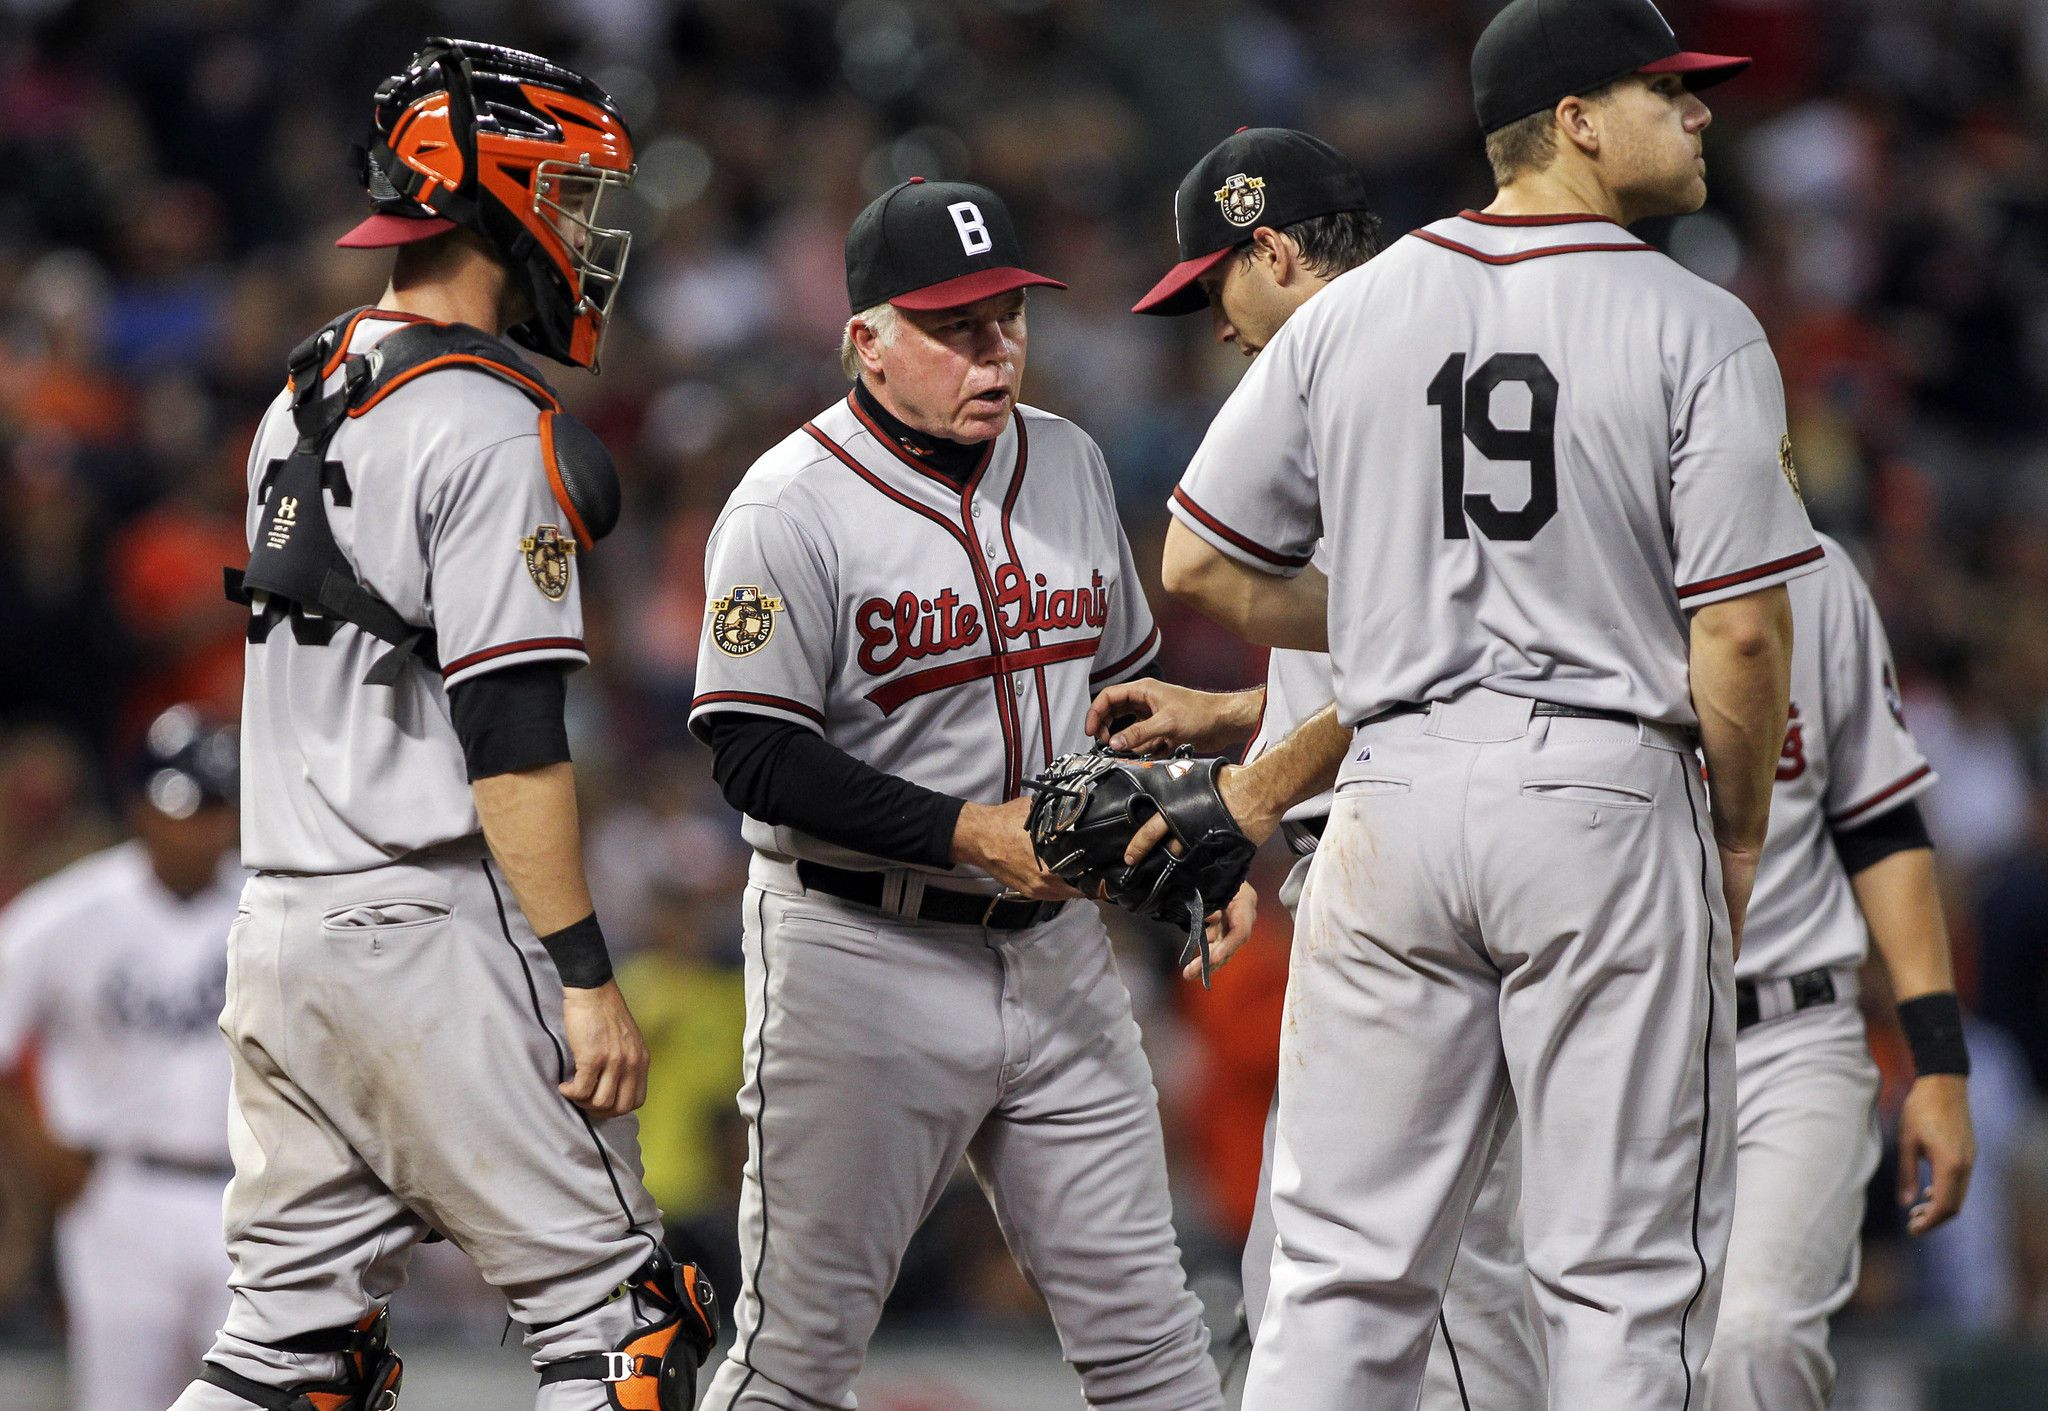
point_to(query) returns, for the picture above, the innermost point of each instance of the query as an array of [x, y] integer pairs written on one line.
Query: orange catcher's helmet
[[519, 150]]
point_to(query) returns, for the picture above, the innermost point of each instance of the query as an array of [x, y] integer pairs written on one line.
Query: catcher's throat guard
[[297, 570], [371, 1371], [1086, 808], [654, 1367]]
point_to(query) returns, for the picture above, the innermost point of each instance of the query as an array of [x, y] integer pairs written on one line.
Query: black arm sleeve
[[1898, 829], [786, 775], [511, 720]]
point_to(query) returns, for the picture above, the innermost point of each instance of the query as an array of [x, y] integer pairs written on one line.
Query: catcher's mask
[[520, 151]]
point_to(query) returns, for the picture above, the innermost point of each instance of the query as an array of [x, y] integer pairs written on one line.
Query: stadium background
[[175, 174]]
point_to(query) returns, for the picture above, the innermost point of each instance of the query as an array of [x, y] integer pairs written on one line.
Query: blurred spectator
[[2012, 946]]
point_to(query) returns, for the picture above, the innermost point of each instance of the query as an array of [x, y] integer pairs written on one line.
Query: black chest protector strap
[[295, 562]]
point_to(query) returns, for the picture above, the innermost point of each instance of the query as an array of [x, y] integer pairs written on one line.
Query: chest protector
[[297, 571]]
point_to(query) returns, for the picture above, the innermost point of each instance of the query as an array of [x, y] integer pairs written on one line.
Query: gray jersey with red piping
[[1848, 758], [948, 635], [445, 506], [1531, 463]]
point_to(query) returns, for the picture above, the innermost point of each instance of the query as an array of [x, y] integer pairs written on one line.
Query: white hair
[[881, 321]]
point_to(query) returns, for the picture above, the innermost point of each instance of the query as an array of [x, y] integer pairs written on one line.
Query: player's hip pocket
[[1601, 793], [1365, 786], [386, 916]]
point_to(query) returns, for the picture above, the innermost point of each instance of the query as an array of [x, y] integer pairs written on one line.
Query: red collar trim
[[1520, 256], [964, 490], [1486, 218]]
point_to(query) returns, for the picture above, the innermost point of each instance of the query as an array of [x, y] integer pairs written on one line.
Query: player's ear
[[866, 345], [1576, 124], [1275, 251]]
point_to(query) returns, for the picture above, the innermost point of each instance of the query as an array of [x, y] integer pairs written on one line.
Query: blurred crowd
[[176, 174]]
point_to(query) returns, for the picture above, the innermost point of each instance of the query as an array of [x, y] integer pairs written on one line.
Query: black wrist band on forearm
[[1934, 1030], [579, 954]]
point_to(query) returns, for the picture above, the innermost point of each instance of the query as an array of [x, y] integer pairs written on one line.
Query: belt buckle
[[1814, 988], [618, 1367], [988, 912]]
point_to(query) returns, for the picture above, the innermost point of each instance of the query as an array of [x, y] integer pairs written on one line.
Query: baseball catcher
[[1089, 806]]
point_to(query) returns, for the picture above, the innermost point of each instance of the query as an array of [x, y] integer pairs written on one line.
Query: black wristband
[[1934, 1030], [580, 955]]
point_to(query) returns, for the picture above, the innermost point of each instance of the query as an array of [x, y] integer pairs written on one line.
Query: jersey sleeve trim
[[1217, 529], [1721, 584], [1130, 665], [1890, 796], [534, 648], [756, 703]]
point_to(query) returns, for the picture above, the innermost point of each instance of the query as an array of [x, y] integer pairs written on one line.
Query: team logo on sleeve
[[743, 620], [548, 557], [1785, 464], [1242, 198]]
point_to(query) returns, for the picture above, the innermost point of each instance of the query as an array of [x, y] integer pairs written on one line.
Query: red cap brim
[[971, 289], [1700, 70], [1177, 294], [381, 231]]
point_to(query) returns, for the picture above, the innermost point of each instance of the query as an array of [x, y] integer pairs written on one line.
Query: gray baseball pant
[[1505, 899], [1806, 1145], [396, 1045], [880, 1051], [1484, 1354]]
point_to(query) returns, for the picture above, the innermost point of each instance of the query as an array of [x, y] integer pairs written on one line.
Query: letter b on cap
[[974, 236]]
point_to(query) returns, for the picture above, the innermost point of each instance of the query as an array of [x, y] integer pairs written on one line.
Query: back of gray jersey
[[1847, 759], [447, 514], [1532, 445], [1298, 684]]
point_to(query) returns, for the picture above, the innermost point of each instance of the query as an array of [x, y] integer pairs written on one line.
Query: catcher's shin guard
[[369, 1381], [654, 1367]]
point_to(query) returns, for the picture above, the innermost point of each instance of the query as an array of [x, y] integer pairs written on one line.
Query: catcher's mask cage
[[520, 151]]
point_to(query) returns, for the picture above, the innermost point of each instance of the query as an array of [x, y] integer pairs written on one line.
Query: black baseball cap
[[189, 758], [1256, 176], [1536, 52], [934, 245]]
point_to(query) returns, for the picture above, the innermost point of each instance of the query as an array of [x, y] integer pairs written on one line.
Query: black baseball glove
[[1088, 806]]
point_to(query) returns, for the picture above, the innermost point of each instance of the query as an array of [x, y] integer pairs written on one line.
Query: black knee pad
[[369, 1382], [654, 1367]]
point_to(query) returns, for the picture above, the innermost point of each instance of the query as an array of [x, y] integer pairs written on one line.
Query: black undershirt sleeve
[[511, 720], [1898, 829], [788, 776]]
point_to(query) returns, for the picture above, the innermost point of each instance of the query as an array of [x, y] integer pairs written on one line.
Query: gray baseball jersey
[[447, 516], [1847, 758], [1298, 684], [1533, 463], [949, 636]]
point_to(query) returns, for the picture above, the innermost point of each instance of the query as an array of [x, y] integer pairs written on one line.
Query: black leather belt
[[1304, 834], [938, 904], [1549, 708], [1809, 991]]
